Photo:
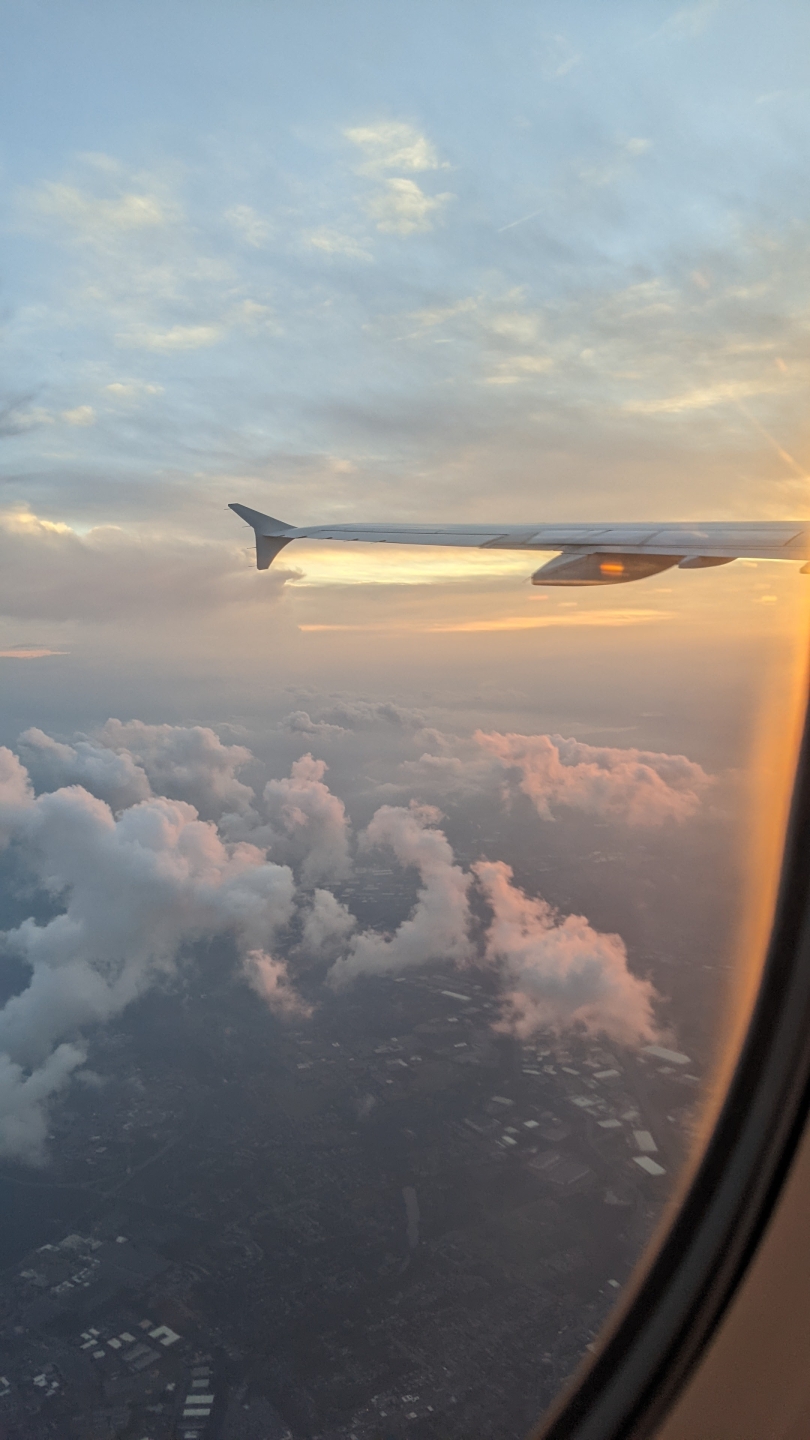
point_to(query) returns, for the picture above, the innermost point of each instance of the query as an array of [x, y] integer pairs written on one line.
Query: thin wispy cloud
[[573, 620]]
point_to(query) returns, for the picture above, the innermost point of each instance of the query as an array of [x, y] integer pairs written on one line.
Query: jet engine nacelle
[[600, 567]]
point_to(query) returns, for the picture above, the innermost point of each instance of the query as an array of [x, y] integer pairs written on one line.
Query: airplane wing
[[588, 554]]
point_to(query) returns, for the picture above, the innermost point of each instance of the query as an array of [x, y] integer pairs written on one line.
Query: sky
[[522, 263], [367, 262]]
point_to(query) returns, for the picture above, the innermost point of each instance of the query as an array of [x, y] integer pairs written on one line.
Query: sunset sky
[[370, 261], [367, 261]]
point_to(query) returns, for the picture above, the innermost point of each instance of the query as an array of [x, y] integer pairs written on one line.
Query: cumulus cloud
[[16, 792], [270, 979], [365, 714], [142, 874], [439, 925], [311, 821], [640, 787], [327, 924], [113, 777], [635, 787], [24, 1097], [558, 973], [188, 762], [300, 722], [137, 889], [128, 761]]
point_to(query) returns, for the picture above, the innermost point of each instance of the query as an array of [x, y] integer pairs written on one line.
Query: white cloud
[[15, 421], [254, 230], [520, 367], [24, 1098], [336, 242], [560, 57], [393, 145], [401, 208], [440, 923], [311, 822], [81, 415], [560, 974], [132, 389], [327, 924], [186, 762], [704, 397], [178, 337], [96, 218], [137, 889], [116, 779]]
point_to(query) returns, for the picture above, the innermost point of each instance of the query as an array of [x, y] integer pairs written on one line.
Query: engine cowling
[[600, 567]]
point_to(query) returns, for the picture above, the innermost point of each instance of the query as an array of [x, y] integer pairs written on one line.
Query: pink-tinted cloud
[[270, 979], [639, 787], [560, 974]]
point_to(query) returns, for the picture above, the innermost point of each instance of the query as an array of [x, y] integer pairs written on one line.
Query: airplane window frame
[[648, 1353]]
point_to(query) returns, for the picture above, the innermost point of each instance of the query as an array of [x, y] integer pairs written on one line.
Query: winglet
[[271, 534]]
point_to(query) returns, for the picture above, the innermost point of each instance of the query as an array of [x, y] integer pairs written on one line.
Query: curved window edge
[[660, 1332]]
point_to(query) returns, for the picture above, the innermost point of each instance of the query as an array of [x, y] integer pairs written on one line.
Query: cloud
[[29, 652], [270, 979], [299, 722], [401, 208], [81, 415], [50, 572], [574, 620], [137, 889], [132, 389], [187, 762], [336, 242], [366, 714], [440, 923], [94, 218], [253, 229], [560, 974], [16, 421], [116, 779], [393, 145], [705, 397], [640, 787], [520, 367], [327, 924], [559, 57], [24, 1098], [16, 793], [310, 820], [128, 761], [179, 337]]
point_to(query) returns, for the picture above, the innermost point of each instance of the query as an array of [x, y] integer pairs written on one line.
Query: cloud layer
[[149, 841]]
